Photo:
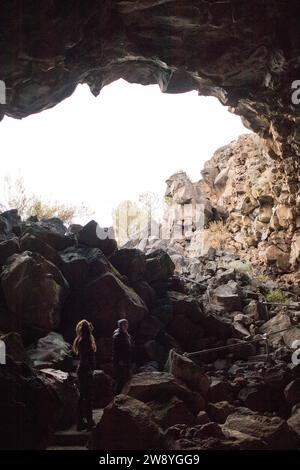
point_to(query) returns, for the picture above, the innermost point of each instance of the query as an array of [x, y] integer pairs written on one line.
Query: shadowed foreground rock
[[28, 408], [126, 425], [33, 289]]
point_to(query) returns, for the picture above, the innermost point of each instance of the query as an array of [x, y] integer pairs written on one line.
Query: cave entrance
[[95, 154]]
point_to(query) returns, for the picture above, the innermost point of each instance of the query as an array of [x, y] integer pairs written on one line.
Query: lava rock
[[161, 386], [94, 236], [34, 289], [126, 424], [159, 266], [131, 263], [273, 431], [8, 248]]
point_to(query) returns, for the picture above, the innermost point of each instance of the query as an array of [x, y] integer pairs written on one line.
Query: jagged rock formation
[[247, 191]]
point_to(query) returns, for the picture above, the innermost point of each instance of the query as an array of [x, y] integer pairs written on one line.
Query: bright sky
[[103, 150]]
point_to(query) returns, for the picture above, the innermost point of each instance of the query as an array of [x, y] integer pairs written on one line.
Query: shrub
[[241, 266], [277, 296], [216, 234]]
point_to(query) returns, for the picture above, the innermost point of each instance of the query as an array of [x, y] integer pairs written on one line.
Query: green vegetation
[[277, 296]]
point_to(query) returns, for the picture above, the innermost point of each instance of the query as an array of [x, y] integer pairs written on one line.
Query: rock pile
[[247, 204], [234, 393]]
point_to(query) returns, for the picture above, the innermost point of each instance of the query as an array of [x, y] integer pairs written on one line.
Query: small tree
[[28, 204]]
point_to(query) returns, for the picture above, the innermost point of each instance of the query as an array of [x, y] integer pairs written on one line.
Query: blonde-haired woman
[[85, 347]]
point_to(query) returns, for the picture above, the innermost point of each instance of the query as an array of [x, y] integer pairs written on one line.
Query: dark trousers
[[85, 404], [122, 374]]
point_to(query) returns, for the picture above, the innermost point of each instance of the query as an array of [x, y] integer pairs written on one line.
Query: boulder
[[94, 236], [126, 424], [210, 436], [229, 296], [130, 263], [221, 390], [34, 289], [217, 326], [187, 305], [170, 413], [146, 293], [35, 244], [277, 323], [80, 264], [283, 216], [253, 311], [27, 408], [12, 222], [292, 335], [64, 387], [159, 266], [74, 229], [104, 388], [277, 257], [51, 350], [54, 224], [150, 327], [262, 397], [107, 299], [161, 386], [236, 440], [185, 331], [48, 234], [8, 248], [74, 266], [274, 432], [219, 411], [190, 373]]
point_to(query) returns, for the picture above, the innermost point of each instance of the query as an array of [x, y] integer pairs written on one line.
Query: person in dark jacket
[[85, 347], [123, 354]]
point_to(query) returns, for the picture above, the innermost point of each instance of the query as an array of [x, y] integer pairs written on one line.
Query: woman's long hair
[[84, 332]]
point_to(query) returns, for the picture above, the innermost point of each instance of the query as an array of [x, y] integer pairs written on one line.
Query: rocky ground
[[243, 396]]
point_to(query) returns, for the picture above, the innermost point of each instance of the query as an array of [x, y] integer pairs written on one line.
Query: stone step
[[68, 438]]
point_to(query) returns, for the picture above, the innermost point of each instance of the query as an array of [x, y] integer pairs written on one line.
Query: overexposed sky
[[125, 142]]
